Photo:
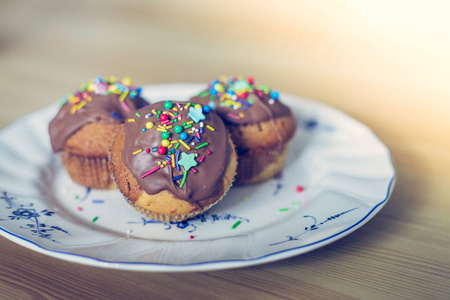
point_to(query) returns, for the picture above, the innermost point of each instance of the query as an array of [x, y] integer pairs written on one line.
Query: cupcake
[[87, 121], [173, 161], [261, 127]]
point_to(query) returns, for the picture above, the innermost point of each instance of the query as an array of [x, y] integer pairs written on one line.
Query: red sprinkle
[[299, 188], [163, 117], [192, 237], [162, 150]]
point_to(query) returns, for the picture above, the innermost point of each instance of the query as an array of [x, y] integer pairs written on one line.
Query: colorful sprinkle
[[184, 179], [210, 128], [233, 116], [185, 145], [202, 145], [137, 151], [94, 219], [125, 106], [187, 160], [162, 150], [235, 225], [283, 209], [196, 114], [177, 158], [178, 177], [150, 172], [116, 116]]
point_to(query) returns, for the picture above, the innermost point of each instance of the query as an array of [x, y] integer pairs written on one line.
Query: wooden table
[[385, 64]]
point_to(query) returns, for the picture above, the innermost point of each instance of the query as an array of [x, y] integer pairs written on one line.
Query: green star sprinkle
[[196, 114], [187, 160]]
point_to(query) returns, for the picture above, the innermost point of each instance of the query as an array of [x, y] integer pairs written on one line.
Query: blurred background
[[385, 63]]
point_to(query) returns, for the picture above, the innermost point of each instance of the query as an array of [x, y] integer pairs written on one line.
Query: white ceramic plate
[[338, 176]]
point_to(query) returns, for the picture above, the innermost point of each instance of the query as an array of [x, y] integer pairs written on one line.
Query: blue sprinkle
[[139, 90], [98, 201], [178, 177], [183, 136], [190, 139], [206, 109], [197, 140], [274, 95], [168, 158], [177, 157], [201, 130], [212, 105], [116, 116]]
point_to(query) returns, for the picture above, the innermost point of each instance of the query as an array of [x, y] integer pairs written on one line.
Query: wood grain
[[385, 63]]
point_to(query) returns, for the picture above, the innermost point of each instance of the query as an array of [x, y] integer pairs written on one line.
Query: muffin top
[[182, 147], [100, 101], [239, 101]]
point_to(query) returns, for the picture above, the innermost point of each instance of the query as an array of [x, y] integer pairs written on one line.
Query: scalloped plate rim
[[207, 265]]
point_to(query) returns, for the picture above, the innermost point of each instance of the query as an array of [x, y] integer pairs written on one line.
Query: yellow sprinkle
[[137, 151], [154, 111], [175, 109], [171, 114], [81, 104], [168, 127], [188, 104], [241, 115], [73, 109], [123, 96], [90, 87], [113, 89], [185, 145], [130, 120], [173, 160], [190, 122], [127, 81], [210, 128], [161, 129], [89, 98], [174, 141]]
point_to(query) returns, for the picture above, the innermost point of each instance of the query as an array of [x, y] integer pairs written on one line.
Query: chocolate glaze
[[253, 103], [204, 180], [100, 109]]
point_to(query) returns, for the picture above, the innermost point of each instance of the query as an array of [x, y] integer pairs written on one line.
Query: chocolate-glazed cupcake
[[173, 161], [83, 129], [261, 127]]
